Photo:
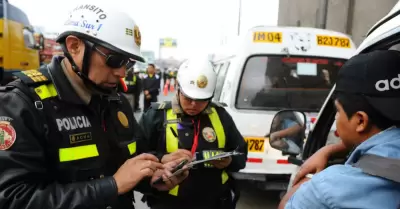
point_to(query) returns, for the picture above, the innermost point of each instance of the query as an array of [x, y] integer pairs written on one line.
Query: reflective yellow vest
[[77, 152], [172, 141], [130, 83]]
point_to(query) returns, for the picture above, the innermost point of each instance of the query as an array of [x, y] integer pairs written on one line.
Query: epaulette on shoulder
[[34, 77], [218, 104], [161, 105]]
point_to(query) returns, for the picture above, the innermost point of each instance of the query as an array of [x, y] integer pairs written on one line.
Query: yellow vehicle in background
[[18, 48]]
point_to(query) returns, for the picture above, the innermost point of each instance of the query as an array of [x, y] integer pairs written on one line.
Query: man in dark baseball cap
[[367, 100], [376, 77]]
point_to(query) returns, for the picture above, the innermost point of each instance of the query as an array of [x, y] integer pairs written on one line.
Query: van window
[[279, 82], [29, 39], [221, 80]]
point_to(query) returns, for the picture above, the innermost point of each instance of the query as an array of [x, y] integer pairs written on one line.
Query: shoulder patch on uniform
[[161, 105], [34, 77], [7, 133]]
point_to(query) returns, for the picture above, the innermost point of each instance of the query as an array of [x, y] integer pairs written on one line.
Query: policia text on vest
[[206, 186], [58, 152]]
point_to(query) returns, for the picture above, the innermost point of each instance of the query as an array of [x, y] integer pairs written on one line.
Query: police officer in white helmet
[[67, 139], [136, 70], [191, 126]]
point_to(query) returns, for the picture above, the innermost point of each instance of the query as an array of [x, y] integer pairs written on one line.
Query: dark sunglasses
[[116, 60]]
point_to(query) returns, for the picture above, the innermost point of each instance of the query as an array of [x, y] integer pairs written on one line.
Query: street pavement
[[251, 197]]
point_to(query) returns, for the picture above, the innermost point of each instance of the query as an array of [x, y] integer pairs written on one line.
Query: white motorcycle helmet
[[104, 26], [197, 79]]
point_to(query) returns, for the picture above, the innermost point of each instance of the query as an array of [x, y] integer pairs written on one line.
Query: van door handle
[[24, 63]]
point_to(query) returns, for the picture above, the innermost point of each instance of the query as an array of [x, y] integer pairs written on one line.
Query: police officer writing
[[192, 126], [67, 140], [151, 86]]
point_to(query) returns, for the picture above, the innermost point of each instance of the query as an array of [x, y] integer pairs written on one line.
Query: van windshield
[[280, 82]]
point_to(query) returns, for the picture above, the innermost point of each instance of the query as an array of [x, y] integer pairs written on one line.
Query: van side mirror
[[287, 132], [37, 46]]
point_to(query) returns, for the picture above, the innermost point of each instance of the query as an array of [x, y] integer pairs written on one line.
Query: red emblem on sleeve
[[7, 135]]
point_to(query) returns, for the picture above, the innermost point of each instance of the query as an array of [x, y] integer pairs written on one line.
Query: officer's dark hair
[[152, 65], [353, 103]]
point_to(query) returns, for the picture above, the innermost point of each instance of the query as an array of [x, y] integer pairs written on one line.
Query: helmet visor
[[199, 98]]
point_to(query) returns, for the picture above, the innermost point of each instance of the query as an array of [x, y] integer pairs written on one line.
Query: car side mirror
[[287, 132]]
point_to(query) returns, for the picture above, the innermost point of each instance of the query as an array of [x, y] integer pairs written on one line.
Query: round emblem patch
[[123, 119], [202, 81], [209, 134], [137, 35], [7, 135]]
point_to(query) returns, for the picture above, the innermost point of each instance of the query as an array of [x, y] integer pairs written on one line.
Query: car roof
[[386, 27]]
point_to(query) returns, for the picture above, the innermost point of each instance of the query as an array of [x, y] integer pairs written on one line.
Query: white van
[[271, 69]]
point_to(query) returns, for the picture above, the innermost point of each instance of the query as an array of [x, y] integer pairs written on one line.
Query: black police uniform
[[206, 186], [65, 151], [151, 84], [137, 91], [165, 76]]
